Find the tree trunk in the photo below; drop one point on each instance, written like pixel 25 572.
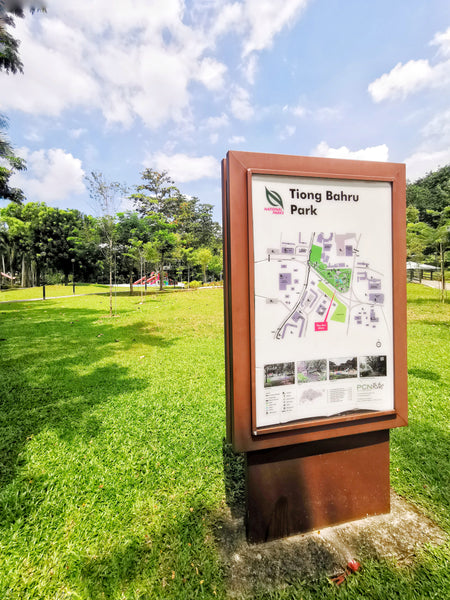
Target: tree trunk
pixel 161 276
pixel 443 294
pixel 33 273
pixel 131 284
pixel 110 292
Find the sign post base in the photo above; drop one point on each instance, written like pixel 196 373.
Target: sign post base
pixel 300 488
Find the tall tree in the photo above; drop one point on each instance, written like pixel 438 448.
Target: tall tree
pixel 11 63
pixel 160 249
pixel 428 214
pixel 106 197
pixel 203 257
pixel 156 195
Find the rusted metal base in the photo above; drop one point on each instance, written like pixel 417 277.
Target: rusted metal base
pixel 294 489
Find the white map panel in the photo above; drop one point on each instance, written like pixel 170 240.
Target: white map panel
pixel 323 297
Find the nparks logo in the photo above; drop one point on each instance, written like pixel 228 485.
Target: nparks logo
pixel 275 201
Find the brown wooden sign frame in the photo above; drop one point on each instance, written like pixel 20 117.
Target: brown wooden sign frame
pixel 237 171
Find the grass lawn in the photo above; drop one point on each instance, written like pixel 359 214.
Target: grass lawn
pixel 111 469
pixel 51 291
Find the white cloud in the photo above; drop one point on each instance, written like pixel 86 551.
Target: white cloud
pixel 240 104
pixel 237 139
pixel 434 151
pixel 266 18
pixel 442 41
pixel 377 153
pixel 250 67
pixel 229 18
pixel 211 73
pixel 182 167
pixel 415 75
pixel 137 60
pixel 402 80
pixel 52 175
pixel 127 62
pixel 422 162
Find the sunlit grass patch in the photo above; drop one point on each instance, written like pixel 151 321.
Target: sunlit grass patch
pixel 111 466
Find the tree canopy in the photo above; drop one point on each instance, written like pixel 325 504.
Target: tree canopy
pixel 38 240
pixel 11 63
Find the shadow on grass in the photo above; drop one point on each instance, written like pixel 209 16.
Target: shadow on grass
pixel 424 374
pixel 234 479
pixel 104 576
pixel 51 376
pixel 177 560
pixel 432 300
pixel 435 323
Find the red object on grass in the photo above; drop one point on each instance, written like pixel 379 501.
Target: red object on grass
pixel 353 565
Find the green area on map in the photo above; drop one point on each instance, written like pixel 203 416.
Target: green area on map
pixel 316 254
pixel 340 313
pixel 338 278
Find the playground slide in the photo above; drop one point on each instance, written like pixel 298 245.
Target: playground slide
pixel 141 280
pixel 153 280
pixel 7 276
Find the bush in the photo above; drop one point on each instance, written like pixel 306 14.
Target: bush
pixel 195 284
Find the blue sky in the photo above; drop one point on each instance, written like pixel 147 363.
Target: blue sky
pixel 170 84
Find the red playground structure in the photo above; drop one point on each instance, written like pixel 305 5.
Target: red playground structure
pixel 152 280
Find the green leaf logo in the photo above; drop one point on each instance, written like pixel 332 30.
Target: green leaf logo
pixel 273 198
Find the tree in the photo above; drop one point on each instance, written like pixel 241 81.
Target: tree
pixel 106 197
pixel 418 237
pixel 215 265
pixel 441 240
pixel 136 254
pixel 131 229
pixel 11 63
pixel 428 216
pixel 203 257
pixel 85 249
pixel 40 236
pixel 14 239
pixel 11 164
pixel 157 195
pixel 164 242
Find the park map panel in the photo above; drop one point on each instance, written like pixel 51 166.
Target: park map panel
pixel 322 252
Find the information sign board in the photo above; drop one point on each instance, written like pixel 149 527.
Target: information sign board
pixel 322 266
pixel 315 298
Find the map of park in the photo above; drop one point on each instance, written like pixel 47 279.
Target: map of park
pixel 323 284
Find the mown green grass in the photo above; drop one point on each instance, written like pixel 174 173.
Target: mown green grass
pixel 111 469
